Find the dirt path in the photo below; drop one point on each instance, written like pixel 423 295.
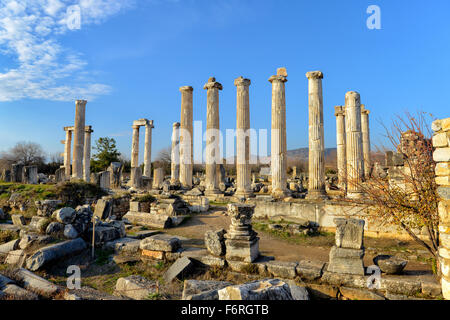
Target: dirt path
pixel 284 250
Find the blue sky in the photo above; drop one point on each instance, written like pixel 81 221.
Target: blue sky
pixel 130 57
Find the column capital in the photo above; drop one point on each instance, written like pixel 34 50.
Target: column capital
pixel 80 102
pixel 176 125
pixel 135 126
pixel 364 110
pixel 339 111
pixel 314 75
pixel 212 84
pixel 69 128
pixel 352 95
pixel 241 81
pixel 186 88
pixel 88 129
pixel 277 78
pixel 149 124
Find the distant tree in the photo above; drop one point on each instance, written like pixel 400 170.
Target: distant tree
pixel 26 153
pixel 163 160
pixel 106 153
pixel 55 162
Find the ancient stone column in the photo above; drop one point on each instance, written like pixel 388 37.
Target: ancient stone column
pixel 67 150
pixel 341 148
pixel 87 154
pixel 365 140
pixel 278 135
pixel 148 148
pixel 78 139
pixel 316 181
pixel 243 171
pixel 355 160
pixel 186 137
pixel 212 135
pixel 136 173
pixel 158 178
pixel 175 154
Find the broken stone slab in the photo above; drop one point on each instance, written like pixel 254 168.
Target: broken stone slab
pixel 4 281
pixel 126 245
pixel 322 291
pixel 269 289
pixel 18 220
pixel 282 269
pixel 9 246
pixel 16 258
pixel 432 289
pixel 400 285
pixel 161 242
pixel 152 254
pixel 103 208
pixel 180 269
pixel 103 234
pixel 203 289
pixel 175 221
pixel 126 258
pixel 348 261
pixel 17 293
pixel 309 270
pixel 215 242
pixel 29 239
pixel 298 292
pixel 347 280
pixel 45 208
pixel 160 221
pixel 194 253
pixel 359 294
pixel 35 283
pixel 39 224
pixel 142 234
pixel 212 261
pixel 55 252
pixel 65 215
pixel 390 264
pixel 349 233
pixel 70 232
pixel 86 293
pixel 9 227
pixel 135 287
pixel 54 227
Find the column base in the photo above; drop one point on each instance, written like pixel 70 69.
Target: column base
pixel 212 192
pixel 244 194
pixel 242 250
pixel 317 195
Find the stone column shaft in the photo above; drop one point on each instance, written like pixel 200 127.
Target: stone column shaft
pixel 355 161
pixel 175 154
pixel 341 146
pixel 135 147
pixel 186 137
pixel 212 136
pixel 278 153
pixel 148 149
pixel 243 171
pixel 87 154
pixel 366 140
pixel 78 139
pixel 67 152
pixel 316 182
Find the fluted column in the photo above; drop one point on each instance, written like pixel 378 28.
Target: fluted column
pixel 355 161
pixel 148 149
pixel 78 139
pixel 135 147
pixel 67 151
pixel 278 135
pixel 175 154
pixel 341 148
pixel 212 135
pixel 243 185
pixel 365 140
pixel 186 137
pixel 316 177
pixel 87 154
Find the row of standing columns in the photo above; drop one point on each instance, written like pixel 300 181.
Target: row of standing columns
pixel 86 155
pixel 136 173
pixel 353 142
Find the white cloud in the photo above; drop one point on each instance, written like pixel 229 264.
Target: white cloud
pixel 43 69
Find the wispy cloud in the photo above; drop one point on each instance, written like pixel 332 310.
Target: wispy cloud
pixel 43 69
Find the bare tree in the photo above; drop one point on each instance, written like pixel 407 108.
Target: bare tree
pixel 26 153
pixel 409 201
